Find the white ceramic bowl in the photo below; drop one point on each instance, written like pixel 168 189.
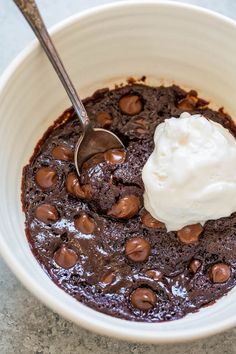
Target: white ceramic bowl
pixel 167 42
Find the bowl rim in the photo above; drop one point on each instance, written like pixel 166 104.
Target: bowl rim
pixel 119 330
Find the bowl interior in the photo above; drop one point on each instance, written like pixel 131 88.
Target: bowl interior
pixel 167 42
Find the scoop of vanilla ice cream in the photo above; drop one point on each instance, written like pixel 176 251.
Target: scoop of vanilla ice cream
pixel 191 175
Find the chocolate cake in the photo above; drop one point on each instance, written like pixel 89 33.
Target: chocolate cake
pixel 92 234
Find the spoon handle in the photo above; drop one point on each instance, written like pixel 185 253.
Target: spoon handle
pixel 31 13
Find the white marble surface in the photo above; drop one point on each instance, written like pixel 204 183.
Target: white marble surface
pixel 26 326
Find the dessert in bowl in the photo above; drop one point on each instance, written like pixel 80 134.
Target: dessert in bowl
pixel 181 64
pixel 93 233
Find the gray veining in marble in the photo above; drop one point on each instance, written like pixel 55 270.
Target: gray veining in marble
pixel 27 326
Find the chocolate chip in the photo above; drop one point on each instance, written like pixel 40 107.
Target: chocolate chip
pixel 219 273
pixel 115 156
pixel 188 103
pixel 46 177
pixel 137 249
pixel 190 234
pixel 73 187
pixel 62 152
pixel 195 265
pixel 125 208
pixel 93 161
pixel 154 274
pixel 143 298
pixel 46 213
pixel 149 221
pixel 191 102
pixel 85 224
pixel 131 104
pixel 192 93
pixel 65 257
pixel 108 279
pixel 104 119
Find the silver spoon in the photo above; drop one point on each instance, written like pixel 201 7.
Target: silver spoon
pixel 92 140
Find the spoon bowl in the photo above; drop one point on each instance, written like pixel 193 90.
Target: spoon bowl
pixel 93 141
